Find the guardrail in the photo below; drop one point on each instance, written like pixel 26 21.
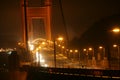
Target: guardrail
pixel 114 74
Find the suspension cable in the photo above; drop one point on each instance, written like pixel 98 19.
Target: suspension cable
pixel 64 22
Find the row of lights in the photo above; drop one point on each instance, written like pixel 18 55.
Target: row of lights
pixel 115 30
pixel 7 49
pixel 90 48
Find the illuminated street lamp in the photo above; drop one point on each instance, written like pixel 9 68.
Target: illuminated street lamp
pixel 102 48
pixel 63 47
pixel 76 52
pixel 19 43
pixel 116 46
pixel 31 47
pixel 84 49
pixel 71 53
pixel 118 52
pixel 91 49
pixel 43 43
pixel 116 30
pixel 59 45
pixel 86 54
pixel 93 62
pixel 59 39
pixel 67 53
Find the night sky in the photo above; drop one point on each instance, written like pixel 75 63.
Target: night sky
pixel 79 16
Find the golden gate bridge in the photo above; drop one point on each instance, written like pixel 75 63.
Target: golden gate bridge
pixel 52 58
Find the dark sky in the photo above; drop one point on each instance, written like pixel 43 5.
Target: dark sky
pixel 79 16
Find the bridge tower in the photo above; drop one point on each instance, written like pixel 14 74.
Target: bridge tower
pixel 38 19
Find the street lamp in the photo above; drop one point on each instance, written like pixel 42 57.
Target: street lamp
pixel 118 52
pixel 93 57
pixel 84 49
pixel 59 44
pixel 86 55
pixel 59 39
pixel 63 52
pixel 63 47
pixel 67 53
pixel 90 59
pixel 91 49
pixel 102 48
pixel 78 56
pixel 116 30
pixel 76 52
pixel 71 51
pixel 116 46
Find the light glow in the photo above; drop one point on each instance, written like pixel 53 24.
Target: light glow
pixel 76 50
pixel 71 50
pixel 116 30
pixel 114 45
pixel 63 47
pixel 31 47
pixel 100 47
pixel 60 39
pixel 84 49
pixel 43 43
pixel 90 49
pixel 45 65
pixel 9 52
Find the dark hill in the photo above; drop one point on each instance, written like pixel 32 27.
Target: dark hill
pixel 100 33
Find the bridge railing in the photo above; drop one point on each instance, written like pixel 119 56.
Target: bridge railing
pixel 78 72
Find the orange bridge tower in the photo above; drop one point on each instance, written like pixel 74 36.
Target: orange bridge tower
pixel 38 19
